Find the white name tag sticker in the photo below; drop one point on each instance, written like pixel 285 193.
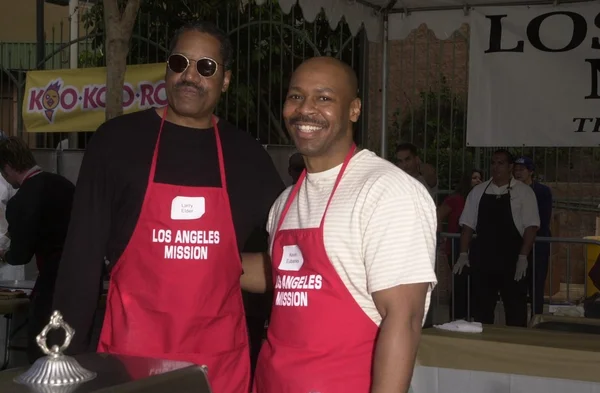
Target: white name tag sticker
pixel 187 208
pixel 292 259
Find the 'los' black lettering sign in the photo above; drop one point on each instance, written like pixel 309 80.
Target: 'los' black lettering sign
pixel 578 33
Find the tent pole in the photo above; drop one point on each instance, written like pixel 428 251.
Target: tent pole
pixel 475 4
pixel 384 78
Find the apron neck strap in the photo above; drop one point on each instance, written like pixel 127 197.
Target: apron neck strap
pixel 301 181
pixel 338 180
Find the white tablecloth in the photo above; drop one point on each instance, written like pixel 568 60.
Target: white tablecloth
pixel 444 380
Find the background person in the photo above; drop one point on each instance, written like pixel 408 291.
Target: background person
pixel 7 272
pixel 170 196
pixel 407 159
pixel 358 235
pixel 524 170
pixel 38 218
pixel 503 212
pixel 450 210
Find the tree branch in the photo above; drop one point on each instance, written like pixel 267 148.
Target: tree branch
pixel 111 8
pixel 130 14
pixel 118 28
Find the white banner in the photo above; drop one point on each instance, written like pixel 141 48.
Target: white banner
pixel 534 76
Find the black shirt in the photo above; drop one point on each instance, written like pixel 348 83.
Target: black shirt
pixel 38 217
pixel 113 179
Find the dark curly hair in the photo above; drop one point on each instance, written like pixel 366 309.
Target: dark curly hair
pixel 210 29
pixel 464 186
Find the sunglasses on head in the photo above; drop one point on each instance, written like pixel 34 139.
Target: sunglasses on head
pixel 205 66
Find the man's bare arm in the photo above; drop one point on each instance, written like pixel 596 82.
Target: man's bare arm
pixel 402 310
pixel 257 272
pixel 528 240
pixel 466 234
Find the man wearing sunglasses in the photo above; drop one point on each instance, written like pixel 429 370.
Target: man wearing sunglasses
pixel 168 196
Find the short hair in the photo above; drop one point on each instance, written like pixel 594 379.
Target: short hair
pixel 407 146
pixel 210 29
pixel 507 154
pixel 464 186
pixel 15 153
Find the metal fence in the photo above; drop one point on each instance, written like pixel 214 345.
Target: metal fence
pixel 268 45
pixel 427 101
pixel 427 90
pixel 427 105
pixel 566 283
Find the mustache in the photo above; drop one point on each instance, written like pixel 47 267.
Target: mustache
pixel 182 84
pixel 307 120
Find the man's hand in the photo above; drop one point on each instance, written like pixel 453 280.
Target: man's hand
pixel 521 270
pixel 256 277
pixel 463 260
pixel 402 310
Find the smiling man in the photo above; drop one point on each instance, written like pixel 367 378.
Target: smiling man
pixel 352 247
pixel 170 196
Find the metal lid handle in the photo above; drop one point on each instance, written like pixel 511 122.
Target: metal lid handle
pixel 56 322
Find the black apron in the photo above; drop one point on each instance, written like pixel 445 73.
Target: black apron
pixel 493 258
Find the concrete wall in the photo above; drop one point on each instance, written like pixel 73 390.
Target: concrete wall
pixel 18 21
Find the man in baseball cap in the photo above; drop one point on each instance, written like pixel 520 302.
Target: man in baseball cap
pixel 524 169
pixel 526 162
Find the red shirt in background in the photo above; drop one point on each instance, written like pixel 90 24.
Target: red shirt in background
pixel 456 202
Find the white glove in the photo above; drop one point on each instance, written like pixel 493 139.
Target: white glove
pixel 463 260
pixel 522 264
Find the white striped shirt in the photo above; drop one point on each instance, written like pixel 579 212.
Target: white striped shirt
pixel 380 229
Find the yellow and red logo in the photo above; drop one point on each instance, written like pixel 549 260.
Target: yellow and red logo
pixel 51 99
pixel 57 96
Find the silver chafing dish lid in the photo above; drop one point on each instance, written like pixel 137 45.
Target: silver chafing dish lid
pixel 56 369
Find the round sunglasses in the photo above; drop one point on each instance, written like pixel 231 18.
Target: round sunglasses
pixel 205 66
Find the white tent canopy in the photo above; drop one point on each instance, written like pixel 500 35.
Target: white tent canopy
pixel 443 16
pixel 385 20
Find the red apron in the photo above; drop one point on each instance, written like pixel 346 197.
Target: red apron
pixel 175 292
pixel 319 340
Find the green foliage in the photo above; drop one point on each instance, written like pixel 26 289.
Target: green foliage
pixel 436 125
pixel 90 58
pixel 268 45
